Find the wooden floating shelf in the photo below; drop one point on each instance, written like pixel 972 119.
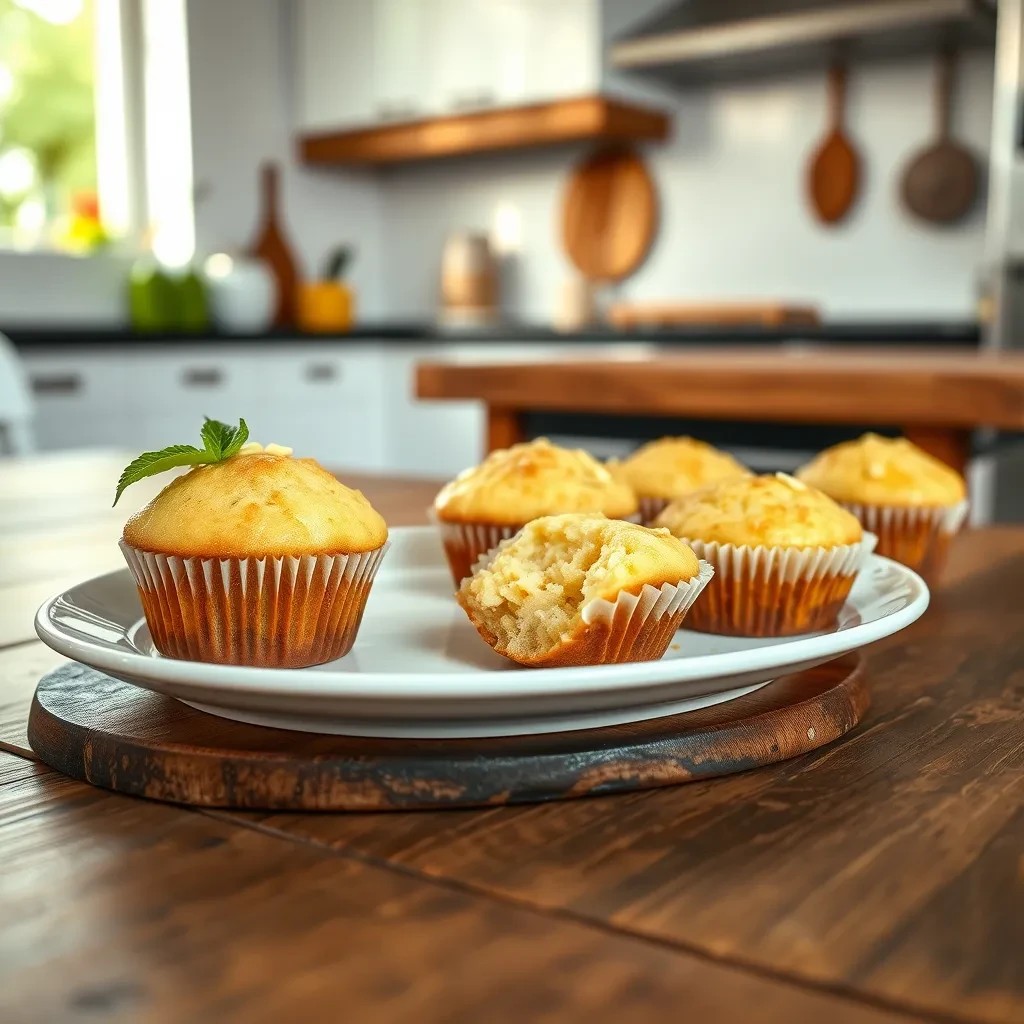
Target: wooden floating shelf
pixel 583 119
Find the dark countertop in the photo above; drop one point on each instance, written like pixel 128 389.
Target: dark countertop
pixel 897 332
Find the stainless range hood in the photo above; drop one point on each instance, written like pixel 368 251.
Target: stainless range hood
pixel 697 40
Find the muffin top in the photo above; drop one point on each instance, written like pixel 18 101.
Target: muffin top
pixel 877 470
pixel 773 510
pixel 255 504
pixel 514 485
pixel 675 465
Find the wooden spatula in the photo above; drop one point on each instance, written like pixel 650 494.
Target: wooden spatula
pixel 834 177
pixel 941 182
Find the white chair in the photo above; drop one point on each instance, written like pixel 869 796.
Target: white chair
pixel 16 410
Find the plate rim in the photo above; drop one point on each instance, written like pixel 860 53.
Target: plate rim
pixel 501 685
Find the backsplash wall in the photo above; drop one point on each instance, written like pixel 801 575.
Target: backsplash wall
pixel 735 223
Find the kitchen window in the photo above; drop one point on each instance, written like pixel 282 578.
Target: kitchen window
pixel 95 136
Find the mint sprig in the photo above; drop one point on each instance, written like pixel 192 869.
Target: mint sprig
pixel 220 442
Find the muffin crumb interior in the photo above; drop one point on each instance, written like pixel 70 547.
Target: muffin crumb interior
pixel 532 596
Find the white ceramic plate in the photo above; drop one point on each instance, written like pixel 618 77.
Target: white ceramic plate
pixel 419 669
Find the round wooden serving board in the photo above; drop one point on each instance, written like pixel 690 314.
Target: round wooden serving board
pixel 120 737
pixel 609 214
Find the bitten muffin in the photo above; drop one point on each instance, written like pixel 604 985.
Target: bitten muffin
pixel 490 502
pixel 261 559
pixel 662 470
pixel 785 555
pixel 913 502
pixel 583 590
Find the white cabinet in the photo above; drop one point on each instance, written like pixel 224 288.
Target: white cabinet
pixel 362 62
pixel 334 63
pixel 426 438
pixel 324 403
pixel 78 400
pixel 562 49
pixel 402 55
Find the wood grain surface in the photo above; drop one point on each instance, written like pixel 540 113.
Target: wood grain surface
pixel 125 911
pixel 888 864
pixel 609 214
pixel 112 734
pixel 937 397
pixel 813 385
pixel 580 119
pixel 879 877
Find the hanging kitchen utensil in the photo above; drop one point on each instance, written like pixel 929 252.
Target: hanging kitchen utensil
pixel 834 173
pixel 609 215
pixel 940 183
pixel 272 247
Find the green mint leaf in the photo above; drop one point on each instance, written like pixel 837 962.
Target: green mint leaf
pixel 240 436
pixel 220 442
pixel 151 463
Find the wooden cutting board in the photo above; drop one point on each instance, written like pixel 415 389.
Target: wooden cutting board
pixel 112 734
pixel 727 314
pixel 609 214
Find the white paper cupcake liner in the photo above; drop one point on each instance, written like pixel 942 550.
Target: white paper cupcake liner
pixel 775 591
pixel 641 626
pixel 918 537
pixel 633 627
pixel 282 612
pixel 651 508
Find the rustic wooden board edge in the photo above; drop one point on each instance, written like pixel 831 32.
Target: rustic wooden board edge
pixel 93 728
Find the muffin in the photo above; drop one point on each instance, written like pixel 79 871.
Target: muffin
pixel 493 501
pixel 260 559
pixel 785 555
pixel 913 502
pixel 662 470
pixel 583 590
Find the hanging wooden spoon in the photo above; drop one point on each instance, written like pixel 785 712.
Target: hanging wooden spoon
pixel 940 183
pixel 834 176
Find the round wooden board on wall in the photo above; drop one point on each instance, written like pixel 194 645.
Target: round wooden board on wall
pixel 609 214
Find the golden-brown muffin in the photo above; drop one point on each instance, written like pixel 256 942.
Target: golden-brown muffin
pixel 910 500
pixel 583 590
pixel 774 510
pixel 672 466
pixel 785 555
pixel 259 559
pixel 254 505
pixel 490 502
pixel 517 484
pixel 876 470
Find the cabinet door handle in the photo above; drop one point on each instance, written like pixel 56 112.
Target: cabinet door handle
pixel 57 384
pixel 202 377
pixel 318 373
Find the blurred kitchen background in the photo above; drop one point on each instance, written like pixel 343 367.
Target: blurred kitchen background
pixel 277 208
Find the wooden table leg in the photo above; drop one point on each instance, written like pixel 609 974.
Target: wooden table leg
pixel 504 427
pixel 950 445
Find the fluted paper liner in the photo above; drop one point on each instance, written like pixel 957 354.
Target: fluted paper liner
pixel 651 508
pixel 775 591
pixel 633 627
pixel 918 537
pixel 465 543
pixel 274 612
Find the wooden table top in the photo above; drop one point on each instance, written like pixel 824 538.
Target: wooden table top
pixel 879 879
pixel 792 383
